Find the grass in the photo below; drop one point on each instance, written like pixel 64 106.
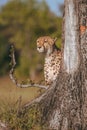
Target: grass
pixel 10 93
pixel 10 104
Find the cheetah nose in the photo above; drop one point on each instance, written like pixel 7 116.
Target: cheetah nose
pixel 39 47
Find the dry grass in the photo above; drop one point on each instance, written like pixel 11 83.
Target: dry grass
pixel 10 105
pixel 10 93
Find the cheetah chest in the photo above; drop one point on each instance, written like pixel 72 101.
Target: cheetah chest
pixel 51 67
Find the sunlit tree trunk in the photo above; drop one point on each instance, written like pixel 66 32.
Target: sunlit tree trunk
pixel 64 106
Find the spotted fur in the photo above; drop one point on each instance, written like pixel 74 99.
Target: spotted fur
pixel 47 45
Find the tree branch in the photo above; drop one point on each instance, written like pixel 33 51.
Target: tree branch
pixel 3 125
pixel 40 98
pixel 14 79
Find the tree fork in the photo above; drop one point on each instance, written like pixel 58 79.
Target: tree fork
pixel 65 107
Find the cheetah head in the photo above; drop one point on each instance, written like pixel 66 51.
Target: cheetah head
pixel 45 44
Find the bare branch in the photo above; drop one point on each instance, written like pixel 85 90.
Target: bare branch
pixel 13 78
pixel 38 99
pixel 3 126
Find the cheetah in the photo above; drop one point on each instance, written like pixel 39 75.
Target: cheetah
pixel 47 45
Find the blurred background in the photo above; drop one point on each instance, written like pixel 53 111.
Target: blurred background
pixel 21 23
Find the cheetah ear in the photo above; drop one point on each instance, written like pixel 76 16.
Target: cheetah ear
pixel 55 39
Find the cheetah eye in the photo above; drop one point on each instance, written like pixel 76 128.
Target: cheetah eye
pixel 38 41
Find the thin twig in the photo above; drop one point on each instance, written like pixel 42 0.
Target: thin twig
pixel 13 78
pixel 3 125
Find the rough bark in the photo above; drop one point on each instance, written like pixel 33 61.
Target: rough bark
pixel 64 107
pixel 64 104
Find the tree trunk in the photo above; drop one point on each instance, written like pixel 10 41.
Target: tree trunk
pixel 64 106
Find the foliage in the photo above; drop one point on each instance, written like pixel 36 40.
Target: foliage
pixel 21 23
pixel 4 61
pixel 18 118
pixel 12 99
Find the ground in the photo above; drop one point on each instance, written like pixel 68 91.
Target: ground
pixel 10 93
